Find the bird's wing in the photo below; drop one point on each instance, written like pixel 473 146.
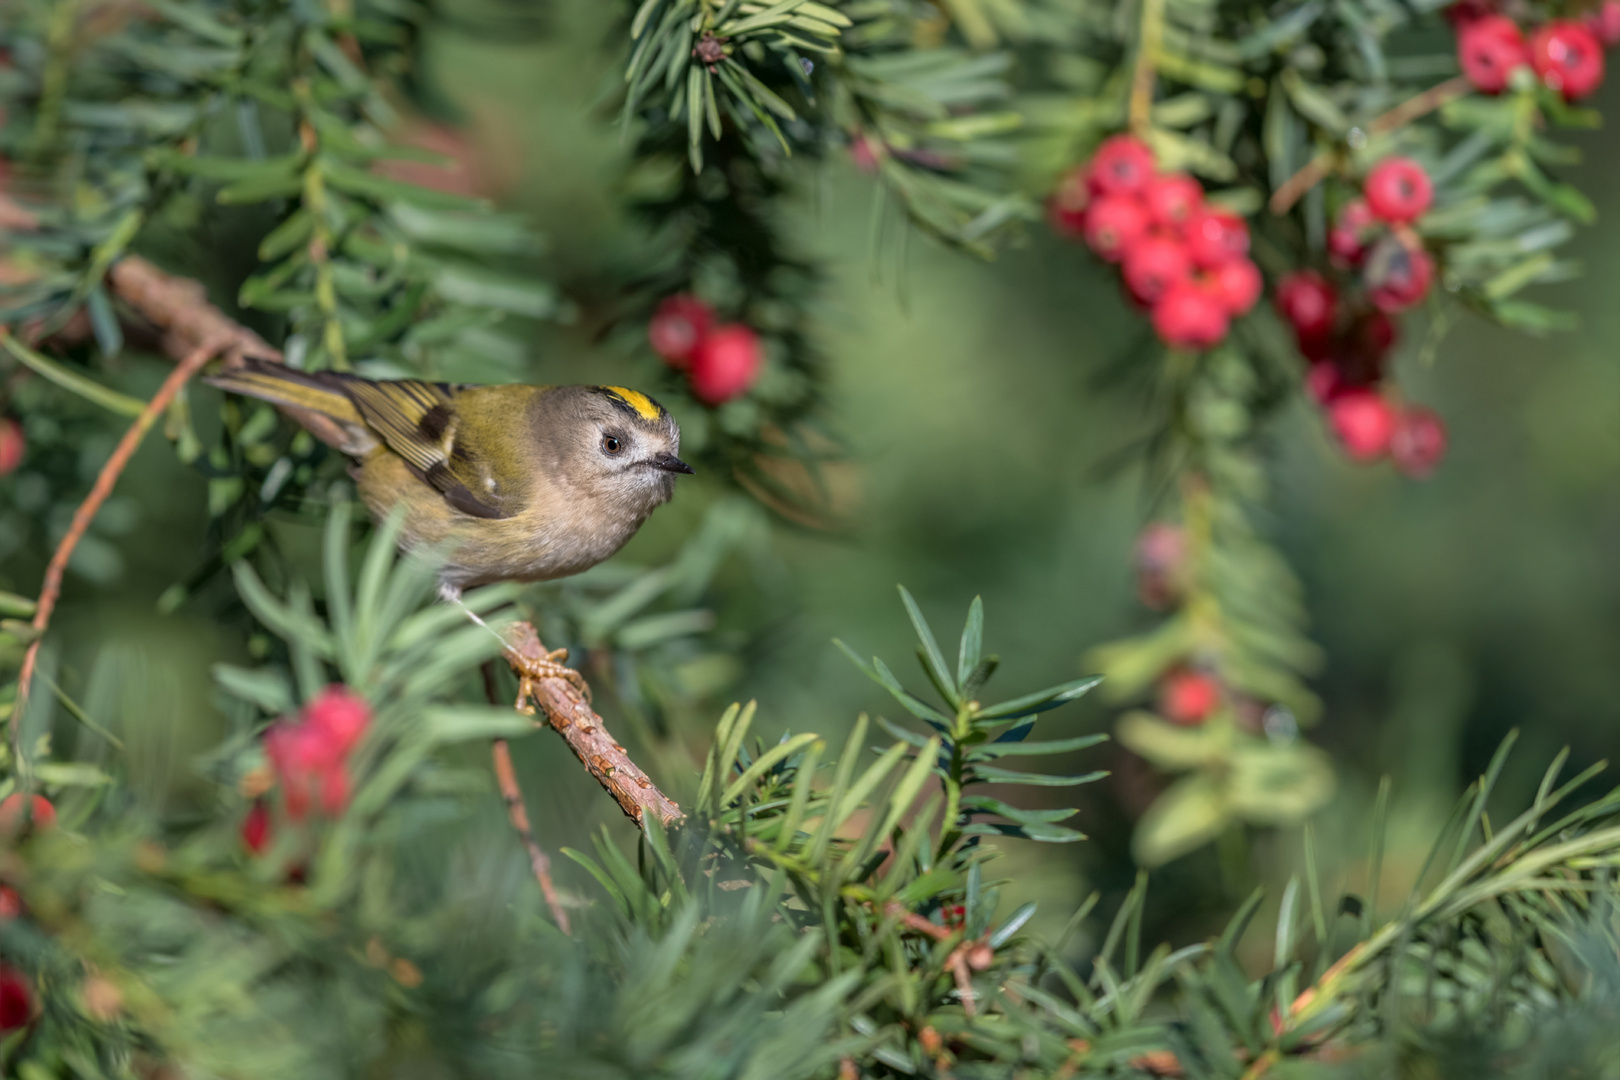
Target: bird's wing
pixel 417 420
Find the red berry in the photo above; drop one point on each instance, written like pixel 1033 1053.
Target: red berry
pixel 1323 382
pixel 1490 49
pixel 1465 13
pixel 14 806
pixel 726 364
pixel 1215 236
pixel 16 999
pixel 1568 57
pixel 1397 274
pixel 1605 22
pixel 1237 286
pixel 1364 423
pixel 1115 223
pixel 1398 190
pixel 1347 240
pixel 1308 302
pixel 256 828
pixel 341 715
pixel 1189 316
pixel 1122 165
pixel 11 905
pixel 13 446
pixel 1418 442
pixel 1154 264
pixel 677 327
pixel 1188 697
pixel 301 755
pixel 1172 199
pixel 1066 209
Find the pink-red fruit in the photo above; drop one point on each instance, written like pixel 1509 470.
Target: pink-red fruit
pixel 1363 422
pixel 16 999
pixel 256 829
pixel 1153 265
pixel 1122 165
pixel 1308 302
pixel 14 808
pixel 1188 697
pixel 1605 23
pixel 1215 237
pixel 1237 285
pixel 13 446
pixel 1489 50
pixel 1398 274
pixel 1398 191
pixel 1568 57
pixel 1418 442
pixel 1172 199
pixel 1114 224
pixel 1347 240
pixel 679 324
pixel 1189 316
pixel 726 364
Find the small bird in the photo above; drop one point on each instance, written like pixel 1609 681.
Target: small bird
pixel 514 483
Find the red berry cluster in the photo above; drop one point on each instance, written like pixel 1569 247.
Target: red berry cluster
pixel 1567 56
pixel 1183 260
pixel 1348 352
pixel 310 755
pixel 721 362
pixel 13 447
pixel 19 812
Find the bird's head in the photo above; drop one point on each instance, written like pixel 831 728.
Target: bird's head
pixel 614 443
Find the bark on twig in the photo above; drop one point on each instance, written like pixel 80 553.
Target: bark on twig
pixel 512 795
pixel 566 710
pixel 51 589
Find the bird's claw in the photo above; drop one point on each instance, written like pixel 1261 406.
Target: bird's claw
pixel 532 669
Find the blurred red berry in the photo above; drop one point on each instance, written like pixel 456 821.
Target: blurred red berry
pixel 301 755
pixel 341 715
pixel 1398 274
pixel 1347 240
pixel 1605 23
pixel 1363 422
pixel 1066 209
pixel 1160 552
pixel 1398 190
pixel 1115 223
pixel 13 446
pixel 1490 49
pixel 1568 57
pixel 256 828
pixel 1465 13
pixel 1172 199
pixel 19 811
pixel 16 999
pixel 11 905
pixel 1153 264
pixel 1237 286
pixel 335 790
pixel 1122 165
pixel 864 154
pixel 1418 441
pixel 677 327
pixel 1323 382
pixel 1216 236
pixel 726 364
pixel 1309 303
pixel 1189 316
pixel 1188 697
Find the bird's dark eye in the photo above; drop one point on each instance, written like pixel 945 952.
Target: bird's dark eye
pixel 611 444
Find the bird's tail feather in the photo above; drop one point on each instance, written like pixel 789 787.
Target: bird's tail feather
pixel 299 392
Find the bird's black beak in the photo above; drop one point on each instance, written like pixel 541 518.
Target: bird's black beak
pixel 671 463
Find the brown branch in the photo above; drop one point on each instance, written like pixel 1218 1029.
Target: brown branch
pixel 562 700
pixel 512 795
pixel 1316 170
pixel 51 589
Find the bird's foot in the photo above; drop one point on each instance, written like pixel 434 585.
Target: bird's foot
pixel 532 669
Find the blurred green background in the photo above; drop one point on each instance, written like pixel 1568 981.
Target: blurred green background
pixel 1451 610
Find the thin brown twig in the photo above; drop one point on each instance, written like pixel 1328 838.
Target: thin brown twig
pixel 51 588
pixel 562 699
pixel 506 779
pixel 1143 76
pixel 1317 169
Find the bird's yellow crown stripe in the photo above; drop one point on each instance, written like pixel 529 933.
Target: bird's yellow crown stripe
pixel 645 407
